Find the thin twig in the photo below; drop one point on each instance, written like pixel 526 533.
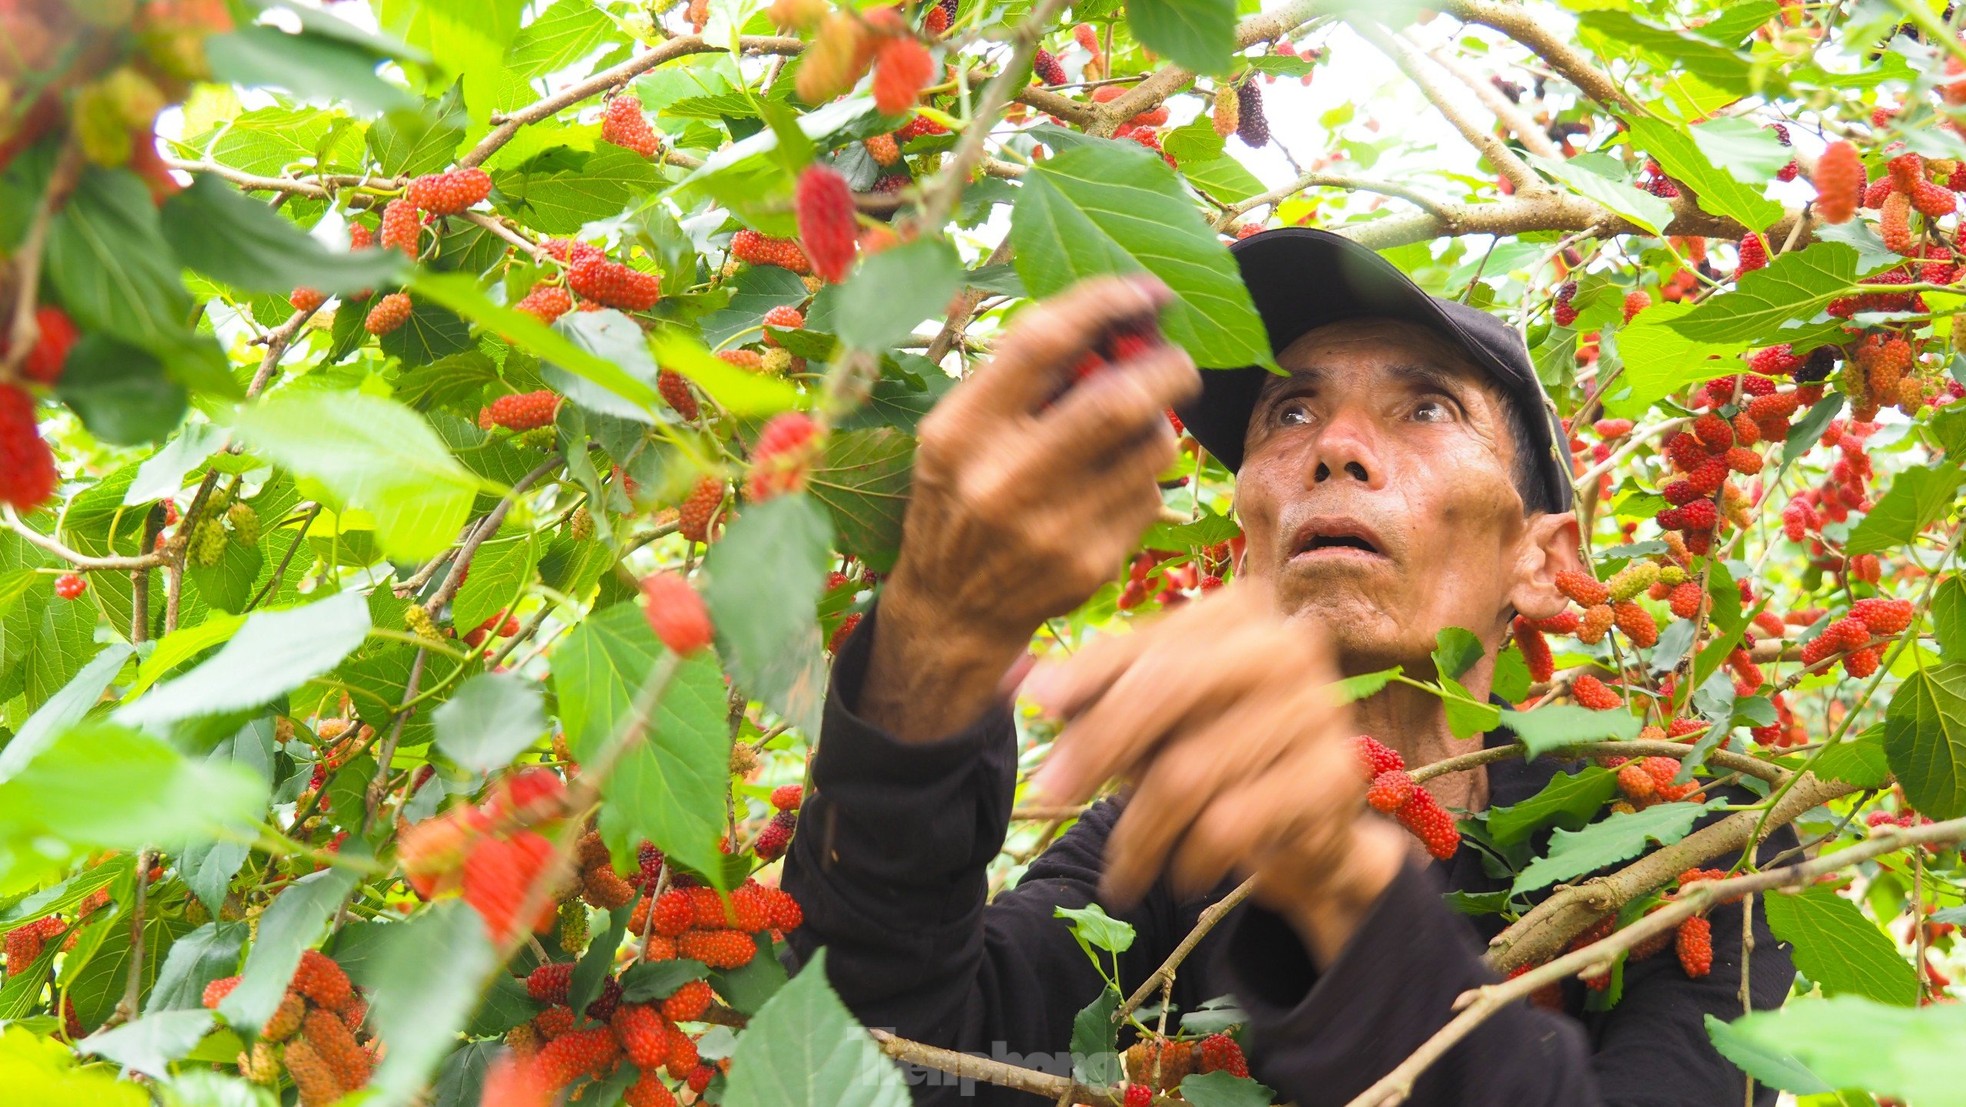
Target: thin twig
pixel 1164 975
pixel 24 332
pixel 54 546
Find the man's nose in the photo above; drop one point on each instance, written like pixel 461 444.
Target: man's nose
pixel 1348 448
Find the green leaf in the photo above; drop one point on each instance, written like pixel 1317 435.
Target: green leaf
pixel 565 189
pixel 122 392
pixel 61 897
pixel 274 652
pixel 895 290
pixel 423 985
pixel 63 709
pixel 1620 836
pixel 734 390
pixel 311 66
pixel 1456 651
pixel 1837 948
pixel 751 985
pixel 44 1072
pixel 1466 715
pixel 585 985
pixel 1549 728
pixel 1569 800
pixel 753 292
pixel 1808 430
pixel 1641 208
pixel 1919 496
pixel 658 980
pixel 610 337
pixel 500 570
pixel 863 480
pixel 1949 617
pixel 1197 34
pixel 1095 1060
pixel 1224 1089
pixel 1747 150
pixel 489 720
pixel 414 141
pixel 1925 739
pixel 1093 927
pixel 1771 1065
pixel 195 960
pixel 108 259
pixel 804 1049
pixel 296 919
pixel 461 1081
pixel 179 646
pixel 1910 1053
pixel 669 788
pixel 57 798
pixel 241 242
pixel 1718 192
pixel 1363 686
pixel 150 1043
pixel 765 577
pixel 373 454
pixel 1660 361
pixel 1860 761
pixel 1103 209
pixel 1671 51
pixel 1793 286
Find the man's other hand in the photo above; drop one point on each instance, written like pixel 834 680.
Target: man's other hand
pixel 1029 491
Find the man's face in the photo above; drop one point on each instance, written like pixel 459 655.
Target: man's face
pixel 1375 491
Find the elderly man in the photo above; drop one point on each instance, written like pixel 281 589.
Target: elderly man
pixel 1402 477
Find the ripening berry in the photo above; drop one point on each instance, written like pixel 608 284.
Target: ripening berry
pixel 1049 70
pixel 1429 821
pixel 779 460
pixel 643 1035
pixel 1635 783
pixel 843 632
pixel 782 912
pixel 70 586
pixel 1220 1053
pixel 1588 691
pixel 676 612
pixel 1695 946
pixel 1636 623
pixel 55 335
pixel 784 317
pixel 545 302
pixel 1087 37
pixel 775 837
pixel 1226 115
pixel 1137 1095
pixel 1390 790
pixel 695 516
pixel 498 877
pixel 1535 649
pixel 883 149
pixel 825 211
pixel 839 54
pixel 1685 600
pixel 683 1055
pixel 613 284
pixel 719 949
pixel 687 1003
pixel 1933 201
pixel 1861 663
pixel 548 983
pixel 336 1046
pixel 449 193
pixel 751 361
pixel 1894 224
pixel 389 313
pixel 522 412
pixel 306 299
pixel 1376 757
pixel 1251 124
pixel 624 125
pixel 577 1053
pixel 1883 616
pixel 1564 313
pixel 1631 580
pixel 902 68
pixel 1754 254
pixel 605 889
pixel 1581 587
pixel 649 1090
pixel 401 226
pixel 214 994
pixel 314 1080
pixel 321 979
pixel 1636 300
pixel 1839 178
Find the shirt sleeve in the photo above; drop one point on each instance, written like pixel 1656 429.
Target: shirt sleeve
pixel 890 866
pixel 1325 1036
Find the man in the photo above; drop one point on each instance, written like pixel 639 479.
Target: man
pixel 1403 477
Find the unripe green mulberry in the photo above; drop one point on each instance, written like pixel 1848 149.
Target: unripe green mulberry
pixel 207 541
pixel 580 524
pixel 419 623
pixel 1631 580
pixel 1672 574
pixel 245 524
pixel 573 925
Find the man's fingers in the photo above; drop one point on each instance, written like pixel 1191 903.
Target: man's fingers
pixel 1035 358
pixel 1301 804
pixel 1112 409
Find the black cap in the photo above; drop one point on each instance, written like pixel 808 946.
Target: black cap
pixel 1302 278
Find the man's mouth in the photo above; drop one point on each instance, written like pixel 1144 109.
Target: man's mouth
pixel 1335 537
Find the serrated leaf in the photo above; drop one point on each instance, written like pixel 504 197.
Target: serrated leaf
pixel 1910 1053
pixel 895 290
pixel 1718 192
pixel 863 480
pixel 1860 761
pixel 107 257
pixel 1549 728
pixel 1837 948
pixel 1641 208
pixel 63 709
pixel 1095 1061
pixel 1792 287
pixel 1095 929
pixel 752 984
pixel 500 572
pixel 1225 1089
pixel 1616 838
pixel 765 577
pixel 1949 617
pixel 122 392
pixel 150 1043
pixel 560 193
pixel 1568 801
pixel 273 653
pixel 195 960
pixel 1456 650
pixel 804 1049
pixel 1102 209
pixel 1197 34
pixel 1364 685
pixel 373 454
pixel 296 919
pixel 657 980
pixel 1771 1065
pixel 309 65
pixel 1925 739
pixel 1918 497
pixel 229 238
pixel 489 720
pixel 669 788
pixel 423 985
pixel 1660 361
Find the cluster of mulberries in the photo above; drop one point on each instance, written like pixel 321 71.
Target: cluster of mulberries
pixel 785 450
pixel 1160 1064
pixel 1391 791
pixel 492 854
pixel 316 1033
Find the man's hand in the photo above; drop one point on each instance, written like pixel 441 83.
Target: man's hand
pixel 1223 719
pixel 1024 502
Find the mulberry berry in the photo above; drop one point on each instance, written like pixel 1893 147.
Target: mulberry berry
pixel 676 391
pixel 337 1048
pixel 1685 600
pixel 649 1091
pixel 782 912
pixel 613 284
pixel 401 226
pixel 719 949
pixel 1861 663
pixel 1429 821
pixel 843 632
pixel 1582 587
pixel 784 317
pixel 1636 623
pixel 1251 124
pixel 697 512
pixel 522 412
pixel 1591 692
pixel 55 335
pixel 1894 224
pixel 321 979
pixel 687 1003
pixel 1636 301
pixel 624 125
pixel 643 1034
pixel 883 149
pixel 775 837
pixel 676 612
pixel 1535 649
pixel 825 211
pixel 1839 178
pixel 1220 1053
pixel 1046 65
pixel 545 302
pixel 1695 944
pixel 498 878
pixel 388 314
pixel 449 193
pixel 787 797
pixel 1390 790
pixel 70 586
pixel 312 1077
pixel 778 461
pixel 839 54
pixel 1226 117
pixel 1376 756
pixel 902 68
pixel 1883 616
pixel 1753 253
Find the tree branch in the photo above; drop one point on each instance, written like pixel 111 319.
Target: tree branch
pixel 1164 975
pixel 54 546
pixel 23 333
pixel 1482 139
pixel 1520 24
pixel 1533 138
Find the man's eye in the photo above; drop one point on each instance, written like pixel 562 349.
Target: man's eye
pixel 1432 411
pixel 1293 413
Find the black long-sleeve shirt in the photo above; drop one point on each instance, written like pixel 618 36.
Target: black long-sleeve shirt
pixel 890 862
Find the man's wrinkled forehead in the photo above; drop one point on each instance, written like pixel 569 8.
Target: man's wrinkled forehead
pixel 1405 350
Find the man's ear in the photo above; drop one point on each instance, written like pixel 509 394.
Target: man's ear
pixel 1550 545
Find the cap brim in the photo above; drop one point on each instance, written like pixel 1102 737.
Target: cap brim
pixel 1302 278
